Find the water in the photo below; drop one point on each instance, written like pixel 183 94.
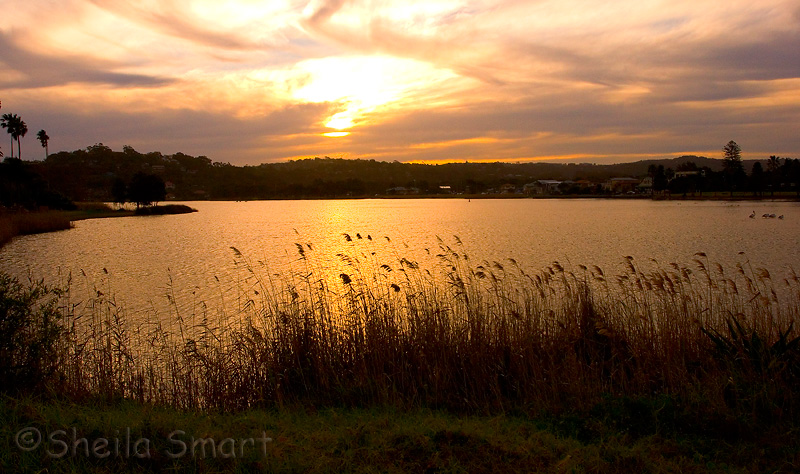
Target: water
pixel 141 260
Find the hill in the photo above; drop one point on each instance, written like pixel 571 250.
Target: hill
pixel 90 174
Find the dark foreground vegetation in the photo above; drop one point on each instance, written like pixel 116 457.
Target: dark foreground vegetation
pixel 460 366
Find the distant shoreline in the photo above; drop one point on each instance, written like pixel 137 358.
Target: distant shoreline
pixel 782 198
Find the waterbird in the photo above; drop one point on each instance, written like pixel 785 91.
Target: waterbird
pixel 772 216
pixel 780 216
pixel 753 215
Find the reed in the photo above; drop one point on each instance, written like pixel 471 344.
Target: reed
pixel 24 223
pixel 360 330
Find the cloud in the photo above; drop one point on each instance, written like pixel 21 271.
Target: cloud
pixel 411 80
pixel 38 70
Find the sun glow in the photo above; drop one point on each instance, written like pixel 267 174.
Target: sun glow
pixel 336 134
pixel 362 85
pixel 340 121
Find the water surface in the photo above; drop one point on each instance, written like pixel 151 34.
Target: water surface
pixel 143 259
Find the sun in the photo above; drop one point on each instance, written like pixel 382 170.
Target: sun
pixel 362 86
pixel 340 121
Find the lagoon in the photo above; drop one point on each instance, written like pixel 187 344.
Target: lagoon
pixel 174 264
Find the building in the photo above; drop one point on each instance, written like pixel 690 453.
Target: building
pixel 508 188
pixel 621 185
pixel 542 186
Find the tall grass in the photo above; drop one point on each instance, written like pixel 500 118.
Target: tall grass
pixel 24 223
pixel 359 330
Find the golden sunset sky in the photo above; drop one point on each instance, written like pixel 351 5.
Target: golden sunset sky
pixel 248 82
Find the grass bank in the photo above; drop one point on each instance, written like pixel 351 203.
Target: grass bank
pixel 377 439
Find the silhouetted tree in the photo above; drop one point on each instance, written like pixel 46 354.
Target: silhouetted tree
pixel 659 177
pixel 7 122
pixel 119 191
pixel 732 164
pixel 757 179
pixel 145 189
pixel 773 169
pixel 43 139
pixel 18 129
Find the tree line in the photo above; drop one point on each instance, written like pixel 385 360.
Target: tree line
pixel 780 175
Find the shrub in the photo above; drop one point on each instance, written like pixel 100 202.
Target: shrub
pixel 30 332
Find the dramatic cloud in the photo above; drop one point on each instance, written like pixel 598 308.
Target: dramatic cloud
pixel 249 81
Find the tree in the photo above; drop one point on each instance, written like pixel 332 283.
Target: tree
pixel 17 128
pixel 732 164
pixel 757 179
pixel 7 122
pixel 43 139
pixel 119 191
pixel 145 189
pixel 773 168
pixel 659 177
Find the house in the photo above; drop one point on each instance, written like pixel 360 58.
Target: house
pixel 402 191
pixel 621 185
pixel 686 174
pixel 542 186
pixel 646 185
pixel 508 188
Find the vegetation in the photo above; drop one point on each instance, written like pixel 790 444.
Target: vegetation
pixel 146 189
pixel 44 139
pixel 99 173
pixel 488 338
pixel 165 209
pixel 398 441
pixel 683 367
pixel 25 223
pixel 22 188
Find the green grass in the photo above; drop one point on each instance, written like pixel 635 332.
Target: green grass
pixel 379 440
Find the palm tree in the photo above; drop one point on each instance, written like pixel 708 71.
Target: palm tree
pixel 43 138
pixel 7 122
pixel 20 130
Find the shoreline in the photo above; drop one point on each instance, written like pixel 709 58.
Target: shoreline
pixel 518 196
pixel 39 222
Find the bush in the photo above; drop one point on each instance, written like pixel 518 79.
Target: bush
pixel 29 335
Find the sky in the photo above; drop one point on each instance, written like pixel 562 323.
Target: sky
pixel 249 82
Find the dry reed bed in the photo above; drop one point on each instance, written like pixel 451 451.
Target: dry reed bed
pixel 24 223
pixel 358 331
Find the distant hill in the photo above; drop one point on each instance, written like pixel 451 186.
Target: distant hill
pixel 90 174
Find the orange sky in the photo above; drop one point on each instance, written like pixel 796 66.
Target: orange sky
pixel 437 80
